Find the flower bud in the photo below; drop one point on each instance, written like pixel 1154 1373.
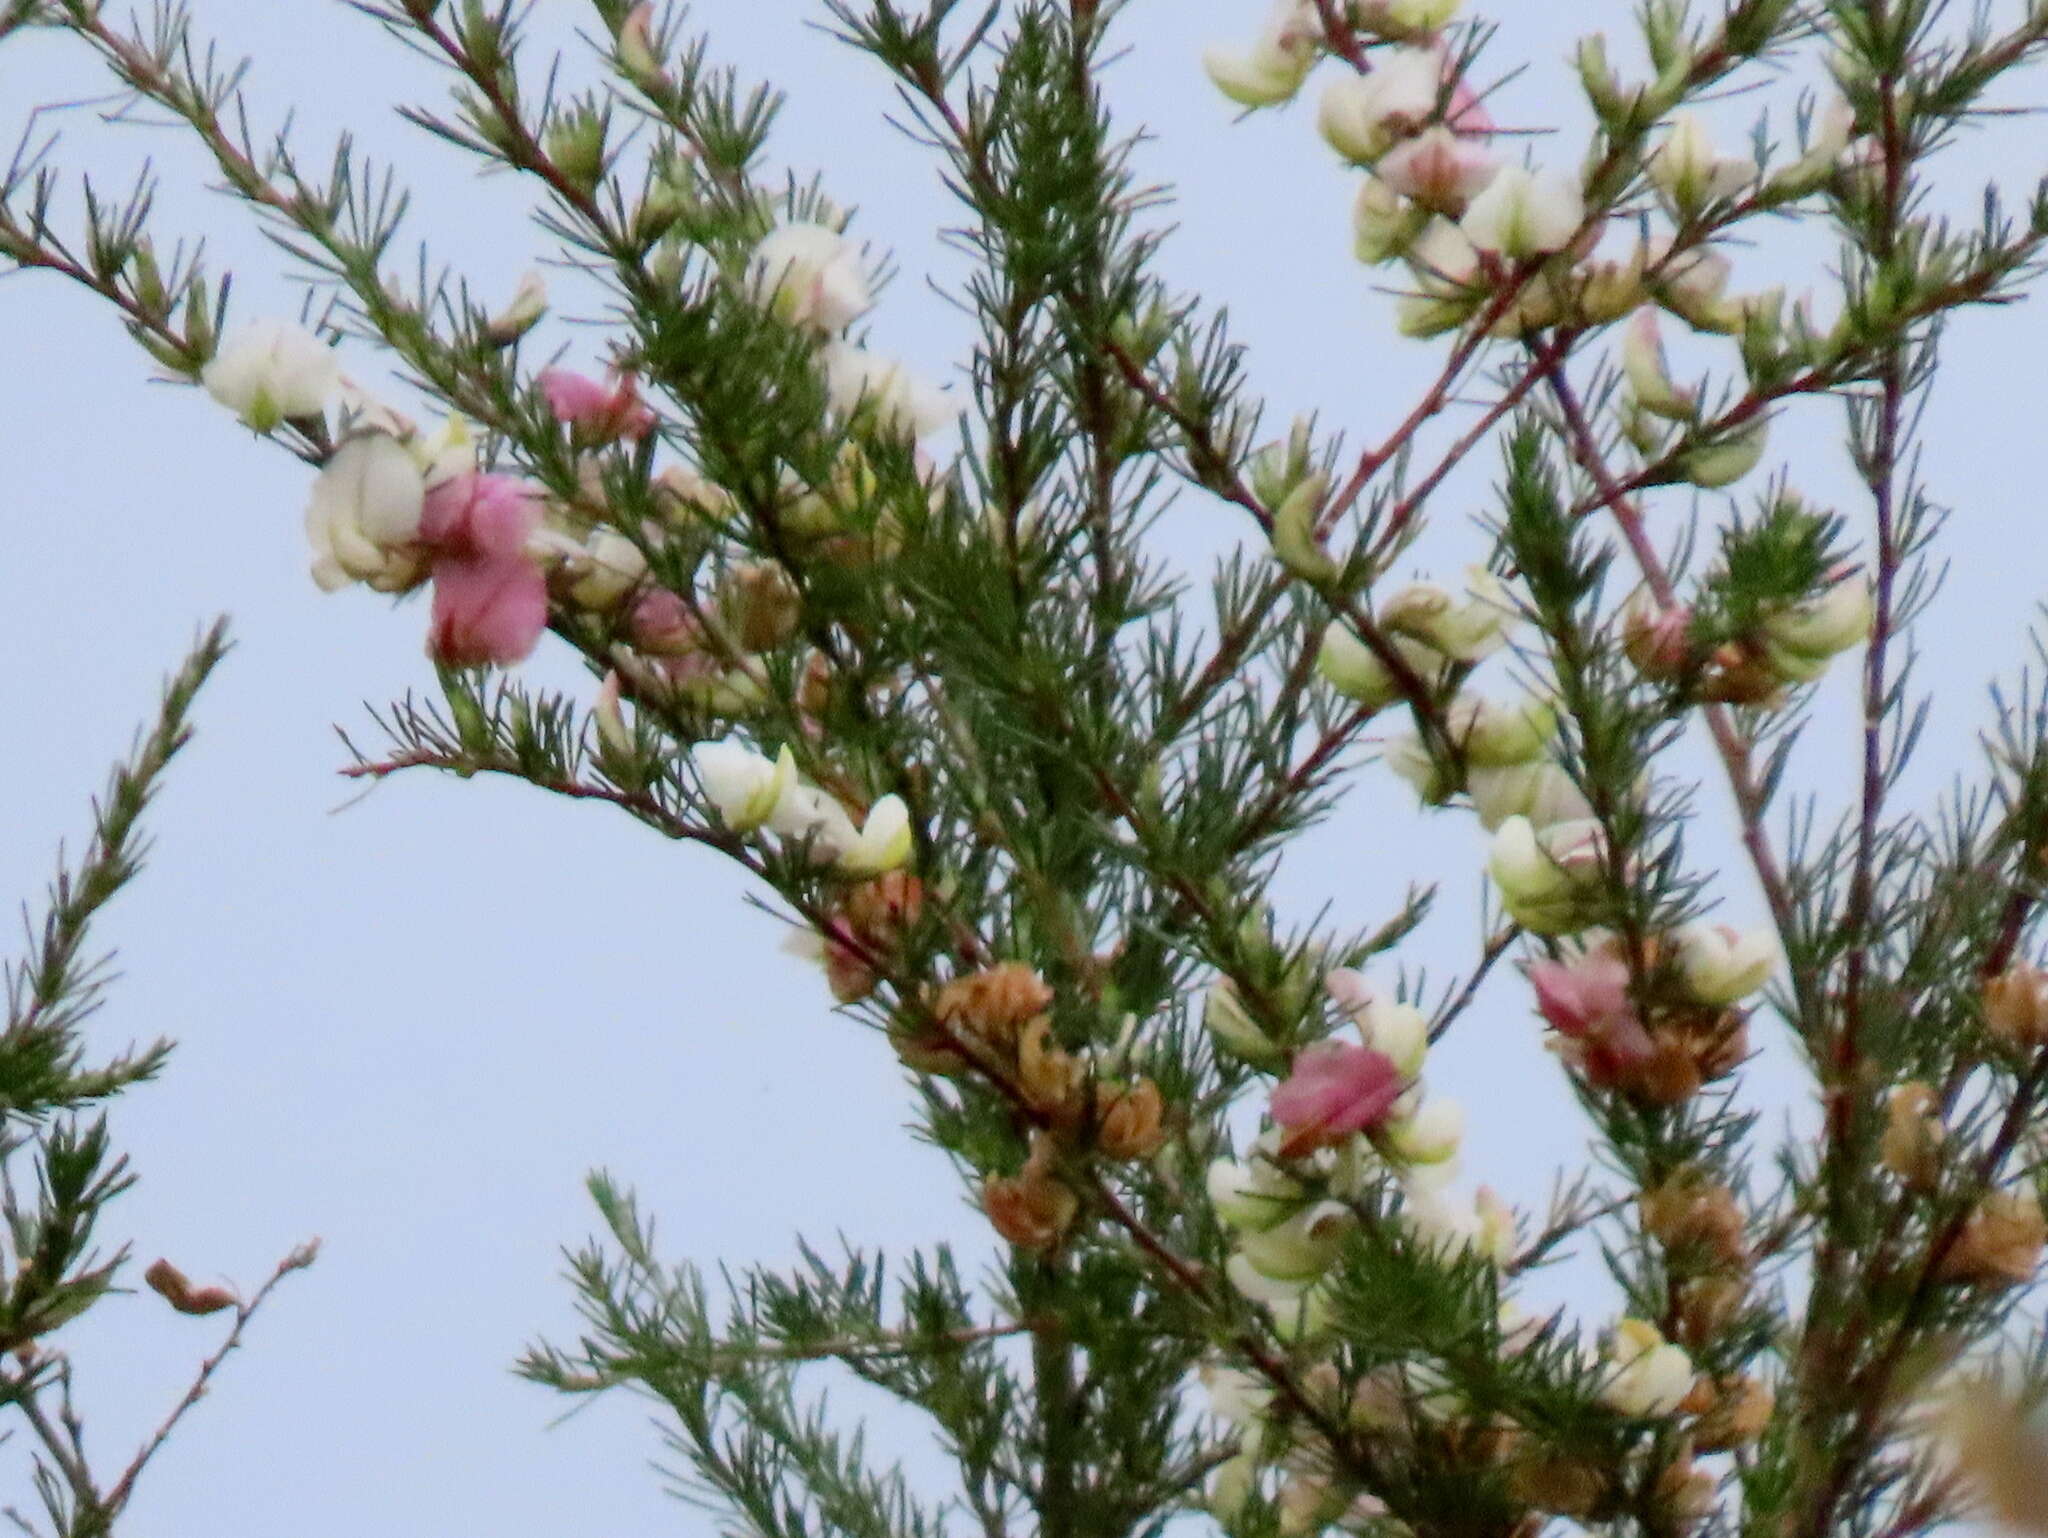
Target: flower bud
pixel 1811 171
pixel 1293 534
pixel 1465 632
pixel 1723 463
pixel 1721 965
pixel 529 303
pixel 638 58
pixel 1648 375
pixel 1355 671
pixel 575 144
pixel 1276 64
pixel 1231 1025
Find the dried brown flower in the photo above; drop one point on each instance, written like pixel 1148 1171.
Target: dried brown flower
pixel 2000 1245
pixel 1131 1123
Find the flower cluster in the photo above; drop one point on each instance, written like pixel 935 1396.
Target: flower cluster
pixel 1347 1117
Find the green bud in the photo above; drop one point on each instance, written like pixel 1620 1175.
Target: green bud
pixel 1294 532
pixel 575 143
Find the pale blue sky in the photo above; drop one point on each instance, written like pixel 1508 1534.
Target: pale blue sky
pixel 409 1026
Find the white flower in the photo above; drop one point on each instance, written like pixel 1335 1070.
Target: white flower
pixel 1303 1247
pixel 804 812
pixel 884 843
pixel 1802 638
pixel 446 453
pixel 1722 965
pixel 1545 878
pixel 860 383
pixel 1252 1194
pixel 1235 1395
pixel 1495 736
pixel 1824 151
pixel 268 370
pixel 1687 171
pixel 1383 223
pixel 1397 1031
pixel 363 517
pixel 1523 213
pixel 604 570
pixel 809 275
pixel 1430 1135
pixel 1541 792
pixel 1454 1226
pixel 1465 632
pixel 1273 68
pixel 1299 1308
pixel 746 788
pixel 1361 117
pixel 1354 671
pixel 1651 1376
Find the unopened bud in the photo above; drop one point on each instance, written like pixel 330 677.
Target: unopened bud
pixel 639 60
pixel 529 304
pixel 576 146
pixel 1294 532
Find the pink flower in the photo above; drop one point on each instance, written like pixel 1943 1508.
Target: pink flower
pixel 490 598
pixel 1440 169
pixel 489 610
pixel 1587 1001
pixel 479 516
pixel 599 413
pixel 1335 1090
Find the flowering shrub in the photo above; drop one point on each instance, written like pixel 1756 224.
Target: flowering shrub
pixel 905 653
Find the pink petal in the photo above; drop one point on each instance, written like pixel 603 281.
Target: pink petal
pixel 574 398
pixel 479 516
pixel 489 610
pixel 1337 1089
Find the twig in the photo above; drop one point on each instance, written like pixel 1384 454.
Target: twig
pixel 124 1487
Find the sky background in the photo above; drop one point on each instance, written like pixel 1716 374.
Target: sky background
pixel 410 1022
